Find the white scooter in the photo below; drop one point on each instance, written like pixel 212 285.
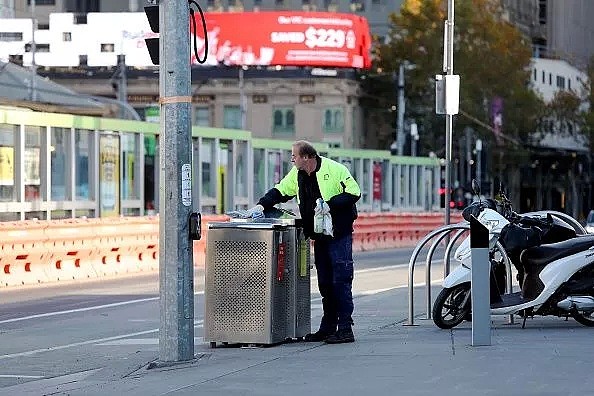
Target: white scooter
pixel 558 279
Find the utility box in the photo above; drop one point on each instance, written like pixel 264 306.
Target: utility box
pixel 257 288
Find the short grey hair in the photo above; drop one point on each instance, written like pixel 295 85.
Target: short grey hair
pixel 305 149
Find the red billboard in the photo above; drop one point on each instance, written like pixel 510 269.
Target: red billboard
pixel 322 39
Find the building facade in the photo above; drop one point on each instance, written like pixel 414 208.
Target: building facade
pixel 314 104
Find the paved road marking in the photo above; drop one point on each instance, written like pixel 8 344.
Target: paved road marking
pixel 141 300
pixel 197 323
pixel 21 376
pixel 91 308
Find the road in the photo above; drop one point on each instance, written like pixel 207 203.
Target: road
pixel 55 331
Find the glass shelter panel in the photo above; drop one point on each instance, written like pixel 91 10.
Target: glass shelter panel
pixel 129 152
pixel 59 160
pixel 259 173
pixel 365 182
pixel 8 192
pixel 241 169
pixel 274 168
pixel 83 169
pixel 32 164
pixel 208 176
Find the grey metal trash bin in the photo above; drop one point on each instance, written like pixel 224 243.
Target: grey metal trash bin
pixel 257 288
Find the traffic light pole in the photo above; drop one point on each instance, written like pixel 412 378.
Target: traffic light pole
pixel 176 271
pixel 449 69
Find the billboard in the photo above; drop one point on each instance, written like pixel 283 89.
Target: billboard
pixel 289 38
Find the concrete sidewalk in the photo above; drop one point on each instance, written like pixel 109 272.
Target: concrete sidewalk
pixel 549 357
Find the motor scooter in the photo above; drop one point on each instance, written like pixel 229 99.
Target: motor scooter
pixel 558 278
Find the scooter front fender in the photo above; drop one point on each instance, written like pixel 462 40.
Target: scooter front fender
pixel 458 276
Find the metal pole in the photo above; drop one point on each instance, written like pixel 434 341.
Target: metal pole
pixel 242 99
pixel 176 271
pixel 479 149
pixel 479 284
pixel 33 83
pixel 449 118
pixel 468 132
pixel 123 83
pixel 400 119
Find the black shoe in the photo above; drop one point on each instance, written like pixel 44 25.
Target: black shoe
pixel 341 337
pixel 318 336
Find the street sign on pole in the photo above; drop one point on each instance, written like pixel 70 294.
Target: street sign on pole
pixel 449 70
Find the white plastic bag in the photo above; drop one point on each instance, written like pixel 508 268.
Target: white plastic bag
pixel 322 218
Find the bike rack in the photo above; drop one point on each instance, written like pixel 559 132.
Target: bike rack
pixel 444 231
pixel 430 257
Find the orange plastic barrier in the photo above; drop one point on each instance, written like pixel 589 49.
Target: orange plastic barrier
pixel 23 253
pixel 33 252
pixel 394 230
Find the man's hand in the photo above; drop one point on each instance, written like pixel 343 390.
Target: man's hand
pixel 255 213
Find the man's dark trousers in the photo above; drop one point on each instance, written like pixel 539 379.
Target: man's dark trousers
pixel 334 265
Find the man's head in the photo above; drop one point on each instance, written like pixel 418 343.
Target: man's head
pixel 303 155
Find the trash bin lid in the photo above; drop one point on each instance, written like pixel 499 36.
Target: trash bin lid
pixel 244 224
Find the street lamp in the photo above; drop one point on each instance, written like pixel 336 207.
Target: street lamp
pixel 399 80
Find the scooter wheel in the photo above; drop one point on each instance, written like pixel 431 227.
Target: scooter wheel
pixel 585 318
pixel 452 306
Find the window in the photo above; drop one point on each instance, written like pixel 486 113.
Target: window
pixel 550 78
pixel 259 99
pixel 535 76
pixel 569 83
pixel 42 2
pixel 232 117
pixel 543 77
pixel 66 36
pixel 11 36
pixel 560 82
pixel 333 120
pixel 357 5
pixel 283 120
pixel 202 116
pixel 331 5
pixel 38 47
pixel 107 47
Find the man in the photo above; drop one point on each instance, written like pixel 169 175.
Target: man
pixel 311 178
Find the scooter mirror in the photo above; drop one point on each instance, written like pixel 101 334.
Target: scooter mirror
pixel 476 189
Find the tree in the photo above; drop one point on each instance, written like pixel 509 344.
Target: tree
pixel 490 55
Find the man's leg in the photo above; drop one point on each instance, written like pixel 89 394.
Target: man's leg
pixel 341 254
pixel 324 270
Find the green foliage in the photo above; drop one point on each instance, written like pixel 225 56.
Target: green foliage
pixel 491 57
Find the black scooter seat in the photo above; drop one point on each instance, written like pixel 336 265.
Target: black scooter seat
pixel 542 255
